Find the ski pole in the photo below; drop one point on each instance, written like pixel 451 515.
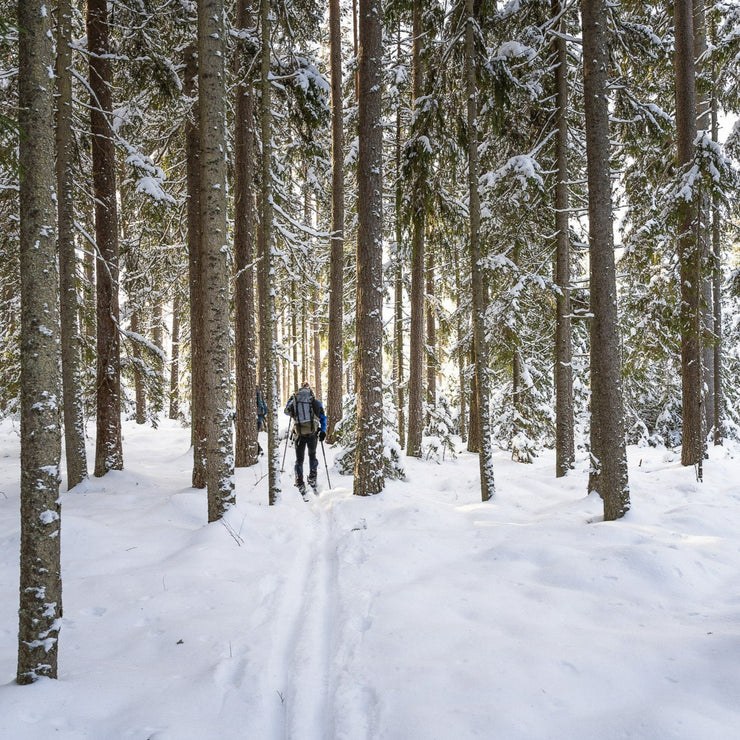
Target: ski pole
pixel 323 452
pixel 285 451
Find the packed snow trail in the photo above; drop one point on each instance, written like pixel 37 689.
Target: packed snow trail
pixel 302 641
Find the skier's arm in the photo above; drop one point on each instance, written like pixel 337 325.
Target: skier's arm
pixel 319 409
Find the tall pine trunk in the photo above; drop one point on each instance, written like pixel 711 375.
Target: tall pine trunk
pixel 336 260
pixel 269 376
pixel 688 246
pixel 175 359
pixel 244 314
pixel 197 329
pixel 564 435
pixel 139 389
pixel 460 329
pixel 716 276
pixel 217 366
pixel 703 227
pixel 481 407
pixel 369 477
pixel 418 225
pixel 40 609
pixel 609 476
pixel 398 318
pixel 74 422
pixel 108 449
pixel 431 332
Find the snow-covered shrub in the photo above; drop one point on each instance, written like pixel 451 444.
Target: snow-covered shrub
pixel 346 437
pixel 437 441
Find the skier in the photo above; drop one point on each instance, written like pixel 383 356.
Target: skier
pixel 261 416
pixel 308 428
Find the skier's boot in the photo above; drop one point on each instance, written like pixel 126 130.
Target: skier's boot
pixel 301 486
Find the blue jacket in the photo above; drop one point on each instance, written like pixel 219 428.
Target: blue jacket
pixel 261 405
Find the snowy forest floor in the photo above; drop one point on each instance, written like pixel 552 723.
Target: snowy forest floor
pixel 420 613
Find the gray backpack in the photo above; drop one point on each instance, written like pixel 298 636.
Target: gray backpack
pixel 306 422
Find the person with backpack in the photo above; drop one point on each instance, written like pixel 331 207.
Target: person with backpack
pixel 309 426
pixel 261 410
pixel 261 416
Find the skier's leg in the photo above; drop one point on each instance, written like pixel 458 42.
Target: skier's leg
pixel 300 451
pixel 313 461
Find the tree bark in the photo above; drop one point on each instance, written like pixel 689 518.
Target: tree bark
pixel 197 352
pixel 369 477
pixel 688 247
pixel 212 91
pixel 460 330
pixel 418 225
pixel 609 462
pixel 74 421
pixel 108 449
pixel 175 359
pixel 139 390
pixel 716 279
pixel 336 260
pixel 481 408
pixel 431 333
pixel 269 377
pixel 40 609
pixel 704 223
pixel 316 334
pixel 473 416
pixel 244 216
pixel 398 319
pixel 564 425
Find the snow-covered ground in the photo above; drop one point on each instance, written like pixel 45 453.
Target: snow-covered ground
pixel 420 613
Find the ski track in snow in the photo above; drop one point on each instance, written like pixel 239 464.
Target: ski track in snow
pixel 302 640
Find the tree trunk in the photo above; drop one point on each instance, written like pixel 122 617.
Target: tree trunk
pixel 473 431
pixel 703 228
pixel 217 370
pixel 418 225
pixel 175 359
pixel 564 425
pixel 139 390
pixel 108 449
pixel 480 344
pixel 74 421
pixel 431 338
pixel 197 352
pixel 297 376
pixel 688 248
pixel 269 380
pixel 716 280
pixel 336 260
pixel 40 609
pixel 398 374
pixel 244 216
pixel 609 462
pixel 316 334
pixel 460 329
pixel 356 48
pixel 157 392
pixel 369 477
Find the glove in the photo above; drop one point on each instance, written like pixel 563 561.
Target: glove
pixel 322 435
